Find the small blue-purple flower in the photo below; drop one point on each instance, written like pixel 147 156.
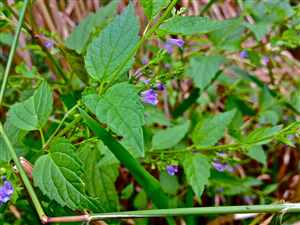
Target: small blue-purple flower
pixel 48 44
pixel 150 97
pixel 6 191
pixel 145 60
pixel 244 54
pixel 172 42
pixel 265 60
pixel 172 170
pixel 160 86
pixel 221 167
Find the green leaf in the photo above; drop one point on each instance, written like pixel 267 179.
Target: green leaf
pixel 257 153
pixel 121 109
pixel 259 29
pixel 202 69
pixel 211 129
pixel 152 7
pixel 110 54
pixel 169 183
pixel 80 36
pixel 189 25
pixel 197 171
pixel 58 175
pixel 99 175
pixel 169 137
pixel 33 113
pixel 15 135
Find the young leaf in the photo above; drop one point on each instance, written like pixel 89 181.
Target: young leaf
pixel 58 173
pixel 33 113
pixel 189 25
pixel 197 171
pixel 110 52
pixel 260 136
pixel 152 7
pixel 121 109
pixel 168 138
pixel 257 153
pixel 100 177
pixel 79 38
pixel 210 130
pixel 202 69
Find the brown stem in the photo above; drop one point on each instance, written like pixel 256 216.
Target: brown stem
pixel 67 219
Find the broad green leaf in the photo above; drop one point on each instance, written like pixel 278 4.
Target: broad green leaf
pixel 169 183
pixel 152 7
pixel 15 135
pixel 100 177
pixel 58 175
pixel 80 36
pixel 140 201
pixel 197 171
pixel 202 69
pixel 169 137
pixel 121 109
pixel 210 130
pixel 111 53
pixel 33 113
pixel 257 153
pixel 155 116
pixel 189 25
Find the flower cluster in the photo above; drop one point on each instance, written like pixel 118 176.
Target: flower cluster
pixel 221 167
pixel 6 190
pixel 150 96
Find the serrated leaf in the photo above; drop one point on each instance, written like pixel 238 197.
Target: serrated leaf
pixel 110 54
pixel 33 113
pixel 260 136
pixel 169 137
pixel 189 25
pixel 57 174
pixel 152 7
pixel 121 109
pixel 197 171
pixel 80 36
pixel 211 129
pixel 202 69
pixel 15 135
pixel 257 153
pixel 99 175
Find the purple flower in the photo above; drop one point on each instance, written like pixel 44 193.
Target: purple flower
pixel 171 43
pixel 244 54
pixel 265 60
pixel 5 192
pixel 221 167
pixel 145 60
pixel 172 170
pixel 249 199
pixel 160 86
pixel 150 97
pixel 48 44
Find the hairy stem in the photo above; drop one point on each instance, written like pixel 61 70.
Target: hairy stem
pixel 13 50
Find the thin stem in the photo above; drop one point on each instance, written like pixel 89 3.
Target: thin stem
pixel 144 38
pixel 42 136
pixel 13 50
pixel 68 113
pixel 241 209
pixel 25 179
pixel 207 7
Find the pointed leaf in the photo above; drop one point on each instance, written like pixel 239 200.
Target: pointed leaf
pixel 197 171
pixel 202 69
pixel 121 109
pixel 33 113
pixel 110 52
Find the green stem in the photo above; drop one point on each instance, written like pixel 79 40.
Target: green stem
pixel 207 7
pixel 241 209
pixel 68 113
pixel 42 136
pixel 24 177
pixel 13 50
